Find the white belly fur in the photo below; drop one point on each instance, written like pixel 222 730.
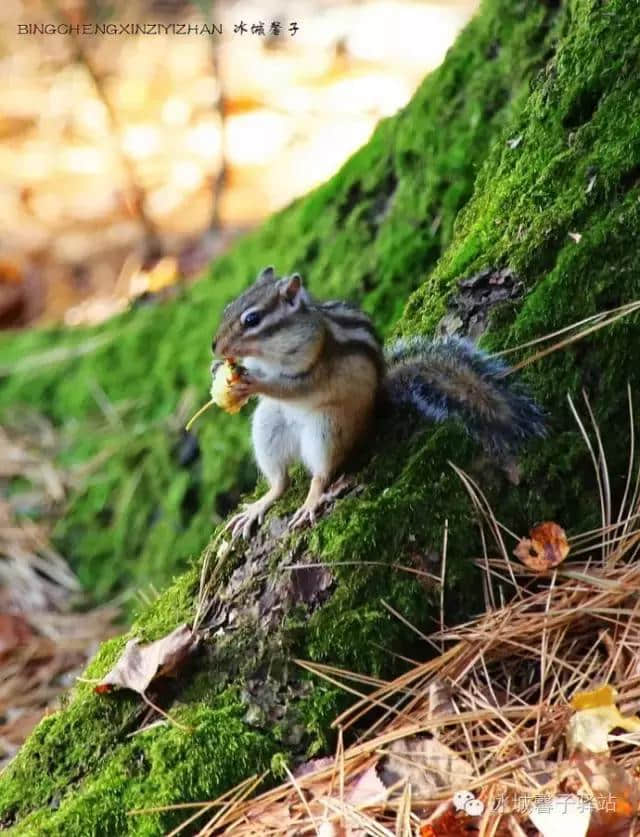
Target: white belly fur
pixel 318 431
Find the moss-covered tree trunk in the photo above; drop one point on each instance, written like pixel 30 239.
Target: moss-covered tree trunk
pixel 529 137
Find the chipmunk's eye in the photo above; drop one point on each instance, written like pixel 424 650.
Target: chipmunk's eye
pixel 250 319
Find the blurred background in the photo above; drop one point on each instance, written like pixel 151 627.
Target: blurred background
pixel 129 159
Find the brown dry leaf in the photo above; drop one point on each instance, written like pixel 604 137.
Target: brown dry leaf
pixel 545 548
pixel 139 665
pixel 597 716
pixel 426 764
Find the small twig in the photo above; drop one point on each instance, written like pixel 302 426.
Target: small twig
pixel 164 714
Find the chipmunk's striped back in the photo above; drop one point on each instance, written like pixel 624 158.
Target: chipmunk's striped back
pixel 352 331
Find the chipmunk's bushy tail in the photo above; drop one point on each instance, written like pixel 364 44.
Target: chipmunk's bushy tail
pixel 452 378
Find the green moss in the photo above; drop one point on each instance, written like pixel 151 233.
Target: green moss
pixel 559 78
pixel 572 169
pixel 160 765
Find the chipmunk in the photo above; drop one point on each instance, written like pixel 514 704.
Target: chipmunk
pixel 320 373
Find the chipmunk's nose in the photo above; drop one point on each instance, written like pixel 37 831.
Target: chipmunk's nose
pixel 219 345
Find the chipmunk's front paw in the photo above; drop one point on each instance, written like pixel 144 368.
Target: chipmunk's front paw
pixel 244 387
pixel 243 522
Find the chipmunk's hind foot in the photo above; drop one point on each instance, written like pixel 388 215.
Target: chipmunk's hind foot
pixel 316 500
pixel 243 522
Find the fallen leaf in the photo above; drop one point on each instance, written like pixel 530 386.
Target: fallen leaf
pixel 561 816
pixel 426 764
pixel 545 548
pixel 596 716
pixel 139 665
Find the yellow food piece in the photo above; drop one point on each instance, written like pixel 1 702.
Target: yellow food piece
pixel 222 390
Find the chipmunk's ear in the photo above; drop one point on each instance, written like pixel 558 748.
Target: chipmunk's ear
pixel 291 289
pixel 267 274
